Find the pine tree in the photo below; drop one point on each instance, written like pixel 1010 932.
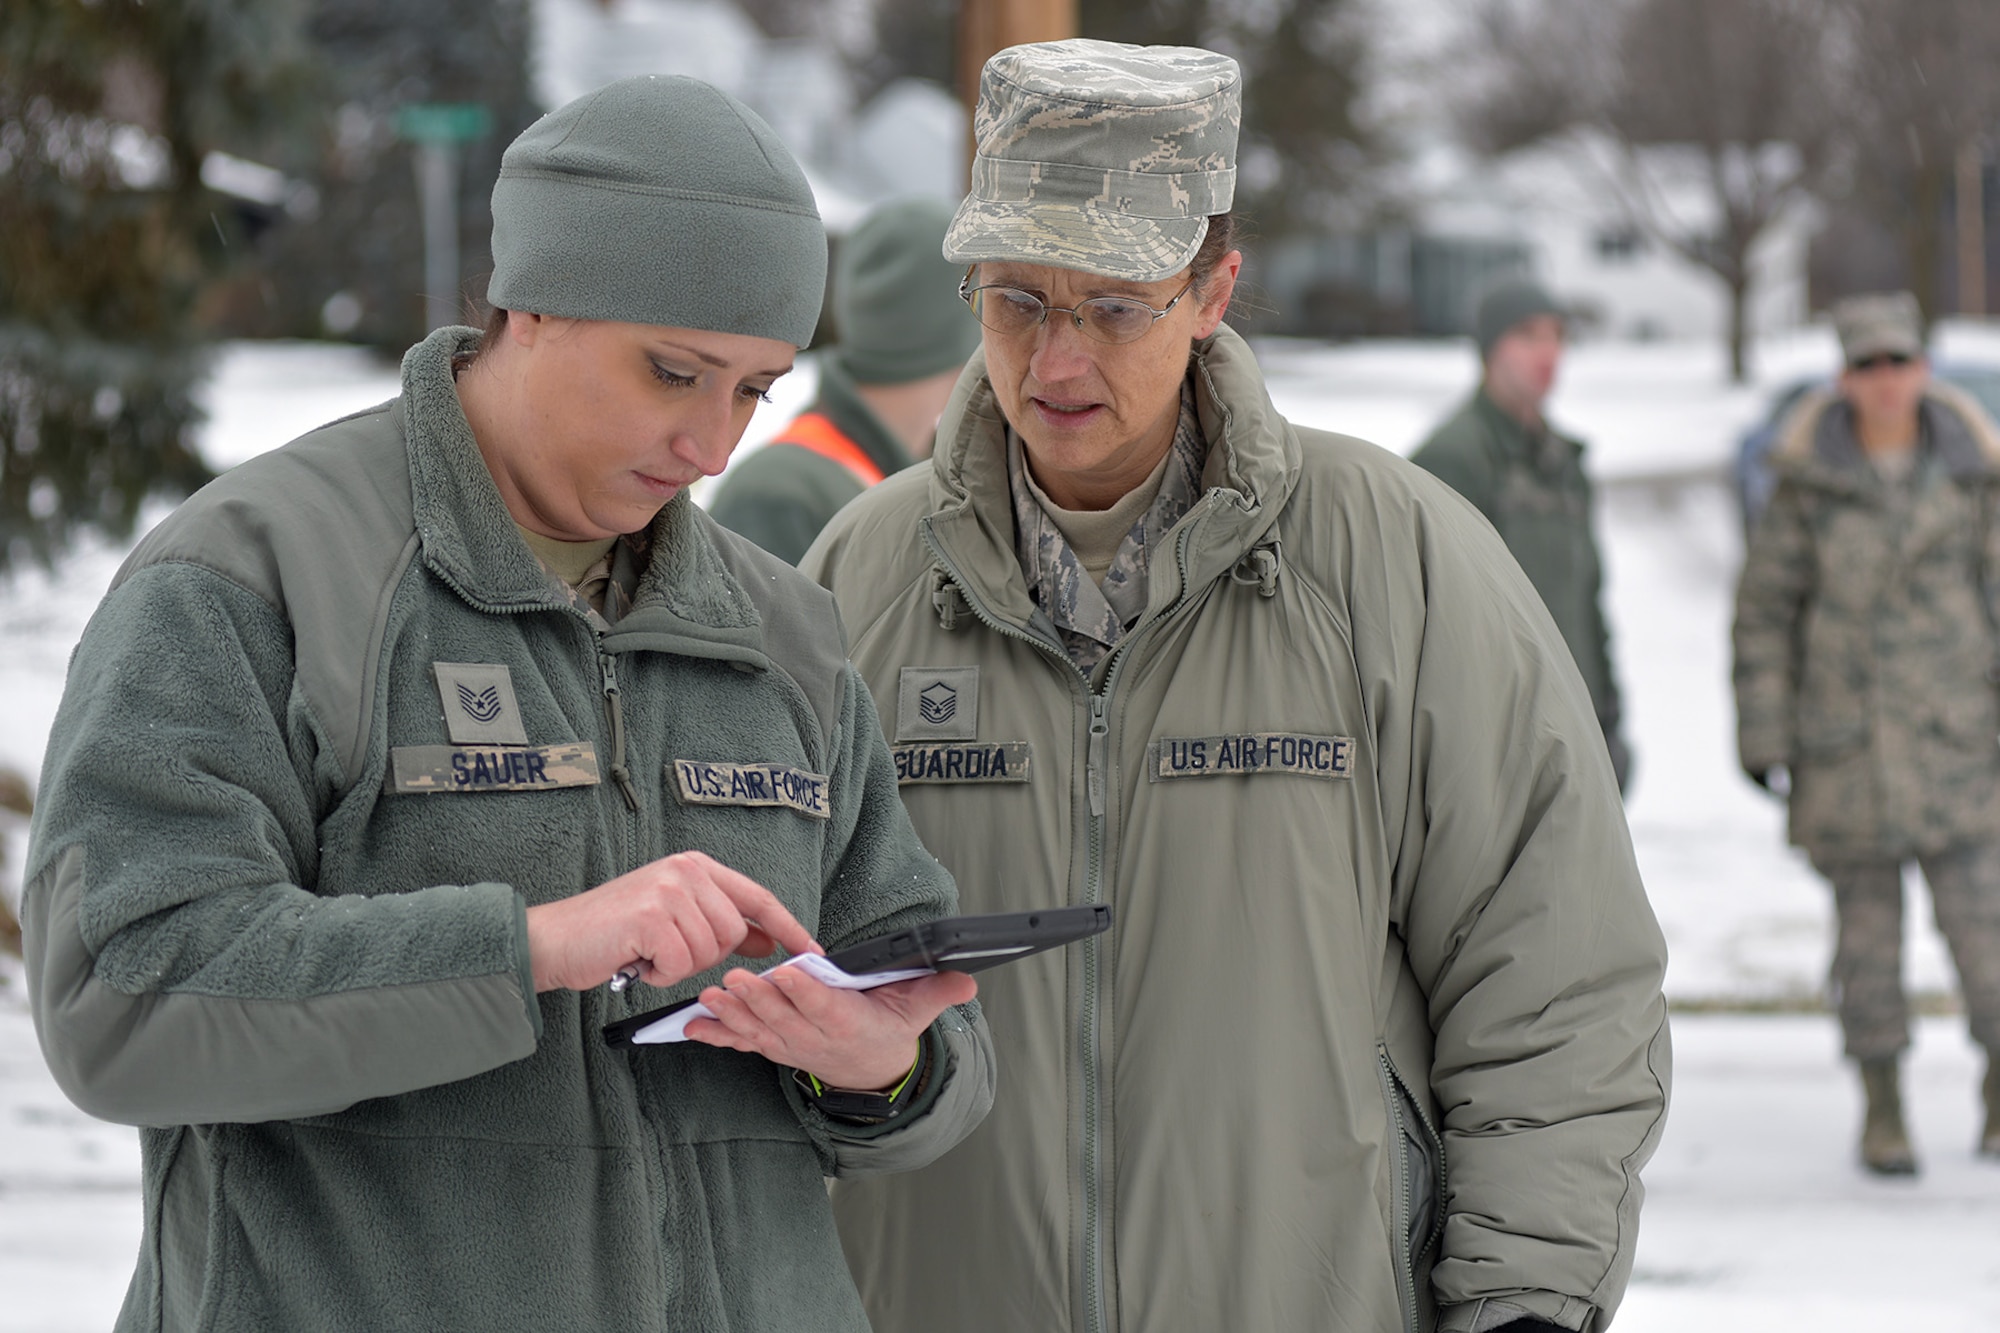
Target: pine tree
pixel 107 237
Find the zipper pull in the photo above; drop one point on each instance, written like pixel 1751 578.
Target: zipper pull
pixel 1100 728
pixel 615 709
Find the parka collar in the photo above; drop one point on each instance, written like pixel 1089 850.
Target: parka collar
pixel 1817 443
pixel 688 601
pixel 1253 466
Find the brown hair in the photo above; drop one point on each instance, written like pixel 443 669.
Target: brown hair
pixel 1220 240
pixel 489 338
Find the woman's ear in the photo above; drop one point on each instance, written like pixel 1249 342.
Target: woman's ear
pixel 1216 292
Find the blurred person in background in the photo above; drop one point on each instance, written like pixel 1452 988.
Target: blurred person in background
pixel 1499 452
pixel 903 336
pixel 1376 1041
pixel 373 768
pixel 1865 662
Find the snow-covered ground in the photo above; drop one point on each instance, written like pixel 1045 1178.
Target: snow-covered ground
pixel 1756 1216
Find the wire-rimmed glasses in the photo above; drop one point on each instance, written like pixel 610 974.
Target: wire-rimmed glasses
pixel 1105 319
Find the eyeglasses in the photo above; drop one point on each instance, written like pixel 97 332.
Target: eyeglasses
pixel 1868 363
pixel 1105 319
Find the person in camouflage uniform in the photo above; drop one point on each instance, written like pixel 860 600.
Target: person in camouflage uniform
pixel 1864 672
pixel 1375 1040
pixel 1498 452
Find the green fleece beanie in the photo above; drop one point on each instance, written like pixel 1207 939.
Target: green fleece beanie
pixel 658 200
pixel 1508 302
pixel 896 310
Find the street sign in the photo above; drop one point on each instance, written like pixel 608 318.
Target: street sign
pixel 443 122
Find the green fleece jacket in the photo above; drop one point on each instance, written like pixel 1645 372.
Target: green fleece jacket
pixel 1378 1026
pixel 782 495
pixel 1533 490
pixel 278 879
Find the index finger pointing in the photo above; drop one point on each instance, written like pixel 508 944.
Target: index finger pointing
pixel 762 909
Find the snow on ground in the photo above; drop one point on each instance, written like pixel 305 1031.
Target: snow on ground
pixel 1756 1216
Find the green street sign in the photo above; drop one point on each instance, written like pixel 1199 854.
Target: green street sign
pixel 443 122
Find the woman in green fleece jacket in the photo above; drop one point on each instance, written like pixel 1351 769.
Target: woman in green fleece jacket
pixel 390 748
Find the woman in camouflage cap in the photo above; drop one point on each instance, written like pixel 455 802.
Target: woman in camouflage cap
pixel 1377 1041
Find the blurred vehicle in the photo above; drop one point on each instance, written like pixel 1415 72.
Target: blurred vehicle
pixel 1754 481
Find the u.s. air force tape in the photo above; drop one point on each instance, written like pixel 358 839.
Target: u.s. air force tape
pixel 702 783
pixel 962 761
pixel 468 768
pixel 1252 753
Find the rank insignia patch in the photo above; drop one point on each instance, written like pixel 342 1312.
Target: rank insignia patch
pixel 479 704
pixel 937 704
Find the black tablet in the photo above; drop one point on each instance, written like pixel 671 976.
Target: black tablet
pixel 953 943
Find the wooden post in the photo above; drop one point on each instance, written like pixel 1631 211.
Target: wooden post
pixel 1971 230
pixel 987 26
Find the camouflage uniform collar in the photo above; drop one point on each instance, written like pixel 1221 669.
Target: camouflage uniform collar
pixel 1091 619
pixel 1253 463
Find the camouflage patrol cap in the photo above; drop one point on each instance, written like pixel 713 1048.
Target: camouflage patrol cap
pixel 1100 157
pixel 1877 324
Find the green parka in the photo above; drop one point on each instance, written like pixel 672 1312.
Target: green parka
pixel 1865 634
pixel 275 910
pixel 1533 490
pixel 1379 1021
pixel 782 495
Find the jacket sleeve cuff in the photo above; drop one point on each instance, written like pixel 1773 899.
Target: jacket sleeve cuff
pixel 524 967
pixel 956 1098
pixel 1496 1312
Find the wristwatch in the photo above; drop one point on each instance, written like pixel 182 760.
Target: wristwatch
pixel 870 1108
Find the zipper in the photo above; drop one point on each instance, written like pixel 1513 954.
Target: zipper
pixel 1096 1223
pixel 1408 1246
pixel 1406 1264
pixel 614 711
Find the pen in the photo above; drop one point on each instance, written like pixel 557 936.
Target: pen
pixel 624 977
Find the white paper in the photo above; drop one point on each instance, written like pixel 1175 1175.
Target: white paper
pixel 674 1026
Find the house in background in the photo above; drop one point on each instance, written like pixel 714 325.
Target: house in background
pixel 1547 211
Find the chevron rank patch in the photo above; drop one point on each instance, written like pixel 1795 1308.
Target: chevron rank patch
pixel 937 704
pixel 479 703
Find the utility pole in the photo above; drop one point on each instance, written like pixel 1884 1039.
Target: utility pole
pixel 989 26
pixel 1971 229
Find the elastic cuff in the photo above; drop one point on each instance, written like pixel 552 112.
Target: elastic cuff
pixel 1492 1313
pixel 524 967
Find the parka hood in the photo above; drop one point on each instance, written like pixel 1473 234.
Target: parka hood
pixel 1817 444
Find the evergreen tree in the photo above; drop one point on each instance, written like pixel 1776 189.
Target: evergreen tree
pixel 107 235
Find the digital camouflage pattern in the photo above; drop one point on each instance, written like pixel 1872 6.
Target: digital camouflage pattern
pixel 1090 618
pixel 1868 950
pixel 1099 156
pixel 1864 635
